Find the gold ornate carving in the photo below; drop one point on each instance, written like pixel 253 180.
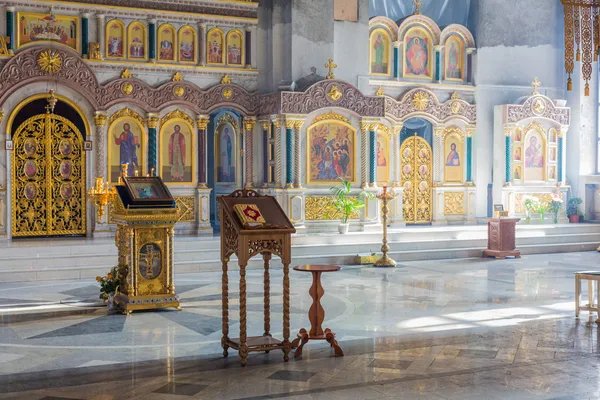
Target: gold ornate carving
pixel 454 129
pixel 331 66
pixel 416 178
pixel 227 93
pixel 202 123
pixel 335 93
pixel 126 74
pixel 420 101
pixel 454 203
pixel 100 119
pixel 455 107
pixel 186 208
pixel 152 122
pixel 3 45
pixel 249 123
pixel 227 118
pixel 126 112
pixel 380 92
pixel 535 125
pixel 178 91
pixel 321 208
pixel 127 88
pixel 226 80
pixel 535 85
pixel 49 61
pixel 417 5
pixel 454 96
pixel 538 106
pixel 332 116
pixel 177 77
pixel 94 51
pixel 177 114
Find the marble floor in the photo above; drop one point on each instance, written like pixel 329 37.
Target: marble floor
pixel 458 329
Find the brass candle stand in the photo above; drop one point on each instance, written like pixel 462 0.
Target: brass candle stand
pixel 385 197
pixel 101 195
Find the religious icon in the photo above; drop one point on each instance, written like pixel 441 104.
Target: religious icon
pixel 137 40
pixel 552 135
pixel 166 43
pixel 226 153
pixel 115 38
pixel 187 44
pixel 127 142
pixel 417 53
pixel 517 135
pixel 453 159
pixel 517 174
pixel 533 154
pixel 35 27
pixel 176 159
pixel 234 48
pixel 423 169
pixel 214 46
pixel 407 185
pixel 380 43
pixel 453 59
pixel 30 168
pixel 30 146
pixel 407 153
pixel 65 147
pixel 145 191
pixel 30 191
pixel 517 156
pixel 332 153
pixel 383 164
pixel 66 191
pixel 552 173
pixel 150 261
pixel 423 186
pixel 423 153
pixel 407 169
pixel 66 168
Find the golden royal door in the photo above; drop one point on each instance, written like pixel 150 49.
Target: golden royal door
pixel 48 178
pixel 416 178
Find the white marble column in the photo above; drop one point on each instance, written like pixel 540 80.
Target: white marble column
pixel 249 124
pixel 100 31
pixel 438 167
pixel 201 43
pixel 100 150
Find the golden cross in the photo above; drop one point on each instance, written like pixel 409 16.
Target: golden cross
pixel 417 5
pixel 331 67
pixel 149 259
pixel 536 84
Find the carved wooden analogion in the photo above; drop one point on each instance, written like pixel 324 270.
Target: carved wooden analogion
pixel 274 237
pixel 501 238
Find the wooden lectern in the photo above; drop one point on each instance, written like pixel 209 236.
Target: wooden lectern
pixel 246 239
pixel 501 238
pixel 145 213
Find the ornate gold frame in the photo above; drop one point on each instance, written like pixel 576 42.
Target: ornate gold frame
pixel 125 43
pixel 243 49
pixel 179 34
pixel 389 51
pixel 405 72
pixel 175 43
pixel 126 113
pixel 453 131
pixel 178 115
pixel 130 27
pixel 223 41
pixel 461 53
pixel 20 14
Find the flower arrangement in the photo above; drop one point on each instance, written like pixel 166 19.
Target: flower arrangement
pixel 531 204
pixel 555 206
pixel 109 284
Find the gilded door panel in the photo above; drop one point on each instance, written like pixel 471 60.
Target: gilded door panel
pixel 48 175
pixel 416 178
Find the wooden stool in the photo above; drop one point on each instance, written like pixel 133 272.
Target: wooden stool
pixel 590 276
pixel 316 314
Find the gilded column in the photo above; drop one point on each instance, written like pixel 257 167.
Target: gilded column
pixel 297 148
pixel 152 122
pixel 396 46
pixel 249 123
pixel 289 155
pixel 10 29
pixel 152 39
pixel 561 135
pixel 278 175
pixel 363 155
pixel 438 168
pixel 248 47
pixel 470 133
pixel 201 43
pixel 265 131
pixel 100 33
pixel 202 122
pixel 373 155
pixel 101 162
pixel 85 38
pixel 508 152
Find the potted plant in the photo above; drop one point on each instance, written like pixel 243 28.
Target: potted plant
pixel 573 209
pixel 109 284
pixel 345 204
pixel 555 206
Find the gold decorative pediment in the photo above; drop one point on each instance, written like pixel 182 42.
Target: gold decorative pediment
pixel 420 101
pixel 177 114
pixel 125 112
pixel 332 116
pixel 454 130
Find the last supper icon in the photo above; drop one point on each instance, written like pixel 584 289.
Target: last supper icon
pixel 150 261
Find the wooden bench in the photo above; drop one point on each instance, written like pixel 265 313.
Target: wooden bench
pixel 589 276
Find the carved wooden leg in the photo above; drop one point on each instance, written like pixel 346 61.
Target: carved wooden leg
pixel 287 347
pixel 577 295
pixel 243 352
pixel 303 335
pixel 267 258
pixel 225 308
pixel 330 337
pixel 316 313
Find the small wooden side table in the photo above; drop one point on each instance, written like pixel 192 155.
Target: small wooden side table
pixel 501 238
pixel 589 276
pixel 316 313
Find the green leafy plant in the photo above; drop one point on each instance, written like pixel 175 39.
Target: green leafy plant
pixel 109 283
pixel 555 206
pixel 531 204
pixel 573 206
pixel 345 204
